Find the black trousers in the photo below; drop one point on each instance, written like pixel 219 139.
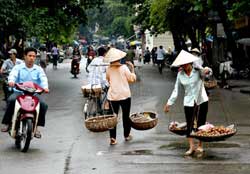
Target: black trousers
pixel 7 118
pixel 55 59
pixel 125 105
pixel 201 114
pixel 160 65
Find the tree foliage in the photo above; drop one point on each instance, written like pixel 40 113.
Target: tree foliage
pixel 114 19
pixel 187 18
pixel 54 20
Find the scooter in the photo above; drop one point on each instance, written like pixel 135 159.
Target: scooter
pixel 75 64
pixel 25 117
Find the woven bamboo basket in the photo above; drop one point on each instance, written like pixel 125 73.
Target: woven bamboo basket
pixel 101 123
pixel 177 130
pixel 210 84
pixel 143 120
pixel 222 137
pixel 180 132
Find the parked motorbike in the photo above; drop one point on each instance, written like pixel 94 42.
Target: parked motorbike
pixel 25 117
pixel 75 66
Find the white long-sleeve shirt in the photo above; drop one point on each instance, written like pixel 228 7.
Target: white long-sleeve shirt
pixel 97 72
pixel 193 86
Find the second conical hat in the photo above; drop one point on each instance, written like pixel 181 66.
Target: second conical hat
pixel 113 55
pixel 184 57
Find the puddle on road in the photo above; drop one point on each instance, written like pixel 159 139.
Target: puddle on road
pixel 174 145
pixel 138 152
pixel 222 145
pixel 181 145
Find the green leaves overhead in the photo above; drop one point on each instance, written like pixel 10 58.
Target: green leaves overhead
pixel 113 19
pixel 53 20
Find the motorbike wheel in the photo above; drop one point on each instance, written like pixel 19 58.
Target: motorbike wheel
pixel 23 141
pixel 60 60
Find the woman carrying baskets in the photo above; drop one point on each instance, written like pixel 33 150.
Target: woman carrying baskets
pixel 195 95
pixel 119 76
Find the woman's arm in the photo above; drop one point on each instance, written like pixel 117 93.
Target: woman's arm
pixel 175 92
pixel 131 77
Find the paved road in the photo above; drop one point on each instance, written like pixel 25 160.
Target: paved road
pixel 67 147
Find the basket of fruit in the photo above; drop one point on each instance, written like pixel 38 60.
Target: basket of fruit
pixel 101 123
pixel 178 128
pixel 143 120
pixel 215 133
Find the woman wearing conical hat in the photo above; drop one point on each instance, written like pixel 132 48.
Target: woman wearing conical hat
pixel 195 95
pixel 119 76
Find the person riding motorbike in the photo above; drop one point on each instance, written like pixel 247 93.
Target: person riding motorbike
pixel 7 67
pixel 76 60
pixel 27 71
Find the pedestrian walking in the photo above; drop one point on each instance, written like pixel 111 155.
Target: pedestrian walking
pixel 55 55
pixel 160 58
pixel 195 98
pixel 199 63
pixel 97 74
pixel 43 57
pixel 154 55
pixel 119 76
pixel 130 54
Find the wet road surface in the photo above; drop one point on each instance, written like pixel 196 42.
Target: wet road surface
pixel 67 147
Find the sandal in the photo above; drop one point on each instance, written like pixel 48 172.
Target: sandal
pixel 189 152
pixel 38 134
pixel 200 150
pixel 113 141
pixel 128 138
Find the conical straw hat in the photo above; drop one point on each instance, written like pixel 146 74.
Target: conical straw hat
pixel 113 55
pixel 184 57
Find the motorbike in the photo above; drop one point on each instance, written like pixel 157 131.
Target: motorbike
pixel 75 64
pixel 25 117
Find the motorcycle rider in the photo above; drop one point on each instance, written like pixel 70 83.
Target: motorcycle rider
pixel 7 67
pixel 27 71
pixel 76 59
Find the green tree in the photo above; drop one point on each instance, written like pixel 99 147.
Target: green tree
pixel 114 18
pixel 55 20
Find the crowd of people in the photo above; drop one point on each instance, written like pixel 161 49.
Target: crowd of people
pixel 114 69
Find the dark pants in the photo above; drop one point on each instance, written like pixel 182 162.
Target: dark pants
pixel 73 63
pixel 201 113
pixel 55 59
pixel 160 65
pixel 11 106
pixel 125 105
pixel 87 64
pixel 5 90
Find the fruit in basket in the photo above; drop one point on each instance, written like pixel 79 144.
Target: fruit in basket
pixel 177 126
pixel 141 117
pixel 215 131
